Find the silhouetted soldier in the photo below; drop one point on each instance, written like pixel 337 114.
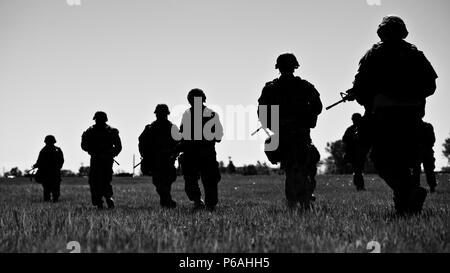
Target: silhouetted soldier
pixel 393 80
pixel 201 130
pixel 355 151
pixel 427 140
pixel 299 106
pixel 49 164
pixel 158 149
pixel 102 142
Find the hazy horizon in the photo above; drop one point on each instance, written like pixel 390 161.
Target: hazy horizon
pixel 62 63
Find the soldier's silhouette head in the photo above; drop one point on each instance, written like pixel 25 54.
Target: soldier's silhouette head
pixel 100 118
pixel 196 93
pixel 287 63
pixel 356 118
pixel 162 111
pixel 392 28
pixel 50 140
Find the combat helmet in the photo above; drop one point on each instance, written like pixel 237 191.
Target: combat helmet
pixel 392 27
pixel 100 116
pixel 50 139
pixel 162 109
pixel 196 92
pixel 287 60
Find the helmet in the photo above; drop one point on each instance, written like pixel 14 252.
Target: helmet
pixel 287 60
pixel 392 27
pixel 196 92
pixel 101 116
pixel 50 139
pixel 356 117
pixel 162 109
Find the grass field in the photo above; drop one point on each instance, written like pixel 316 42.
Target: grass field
pixel 251 217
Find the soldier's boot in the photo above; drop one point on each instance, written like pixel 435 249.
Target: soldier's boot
pixel 416 199
pixel 431 180
pixel 110 202
pixel 199 204
pixel 358 180
pixel 47 194
pixel 167 202
pixel 400 204
pixel 55 196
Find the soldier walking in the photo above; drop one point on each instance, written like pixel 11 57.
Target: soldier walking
pixel 158 149
pixel 393 80
pixel 49 164
pixel 355 151
pixel 103 143
pixel 299 105
pixel 201 130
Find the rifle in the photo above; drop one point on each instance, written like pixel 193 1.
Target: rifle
pixel 345 97
pixel 259 129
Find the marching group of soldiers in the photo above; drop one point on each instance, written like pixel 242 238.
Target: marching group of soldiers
pixel 393 81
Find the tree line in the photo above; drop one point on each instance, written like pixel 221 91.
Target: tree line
pixel 334 164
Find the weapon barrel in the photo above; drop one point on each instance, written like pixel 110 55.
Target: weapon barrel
pixel 335 104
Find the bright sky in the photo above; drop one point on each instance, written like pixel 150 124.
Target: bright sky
pixel 60 63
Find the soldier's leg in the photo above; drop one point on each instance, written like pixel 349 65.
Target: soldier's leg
pixel 210 175
pixel 95 184
pixel 358 179
pixel 47 191
pixel 56 188
pixel 429 166
pixel 191 176
pixel 163 185
pixel 107 189
pixel 396 157
pixel 296 185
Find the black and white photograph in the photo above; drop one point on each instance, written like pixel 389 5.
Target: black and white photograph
pixel 224 135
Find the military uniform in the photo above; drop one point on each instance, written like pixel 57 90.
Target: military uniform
pixel 103 143
pixel 49 164
pixel 299 105
pixel 198 159
pixel 393 80
pixel 158 149
pixel 355 154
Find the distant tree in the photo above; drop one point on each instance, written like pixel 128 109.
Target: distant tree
pixel 249 170
pixel 67 173
pixel 15 172
pixel 231 169
pixel 262 168
pixel 446 151
pixel 335 163
pixel 83 171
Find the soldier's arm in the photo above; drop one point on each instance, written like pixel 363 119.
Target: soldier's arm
pixel 315 103
pixel 117 143
pixel 85 141
pixel 361 84
pixel 142 141
pixel 264 114
pixel 428 76
pixel 60 159
pixel 39 160
pixel 218 128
